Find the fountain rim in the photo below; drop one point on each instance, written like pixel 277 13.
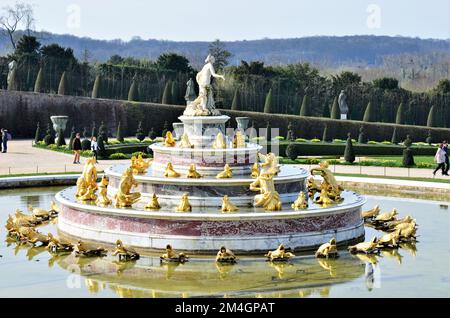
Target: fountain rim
pixel 303 173
pixel 235 216
pixel 250 147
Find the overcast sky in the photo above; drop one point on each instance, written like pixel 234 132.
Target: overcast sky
pixel 189 20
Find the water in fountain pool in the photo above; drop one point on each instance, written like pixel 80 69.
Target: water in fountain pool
pixel 411 271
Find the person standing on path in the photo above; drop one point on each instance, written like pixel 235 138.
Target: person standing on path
pixel 76 146
pixel 1 143
pixel 4 140
pixel 440 159
pixel 94 147
pixel 446 157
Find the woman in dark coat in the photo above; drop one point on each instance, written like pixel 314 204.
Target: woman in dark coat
pixel 76 146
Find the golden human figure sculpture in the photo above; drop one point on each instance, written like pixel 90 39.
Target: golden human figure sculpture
pixel 255 170
pixel 103 199
pixel 89 195
pixel 219 142
pixel 301 203
pixel 170 172
pixel 139 165
pixel 238 140
pixel 184 142
pixel 153 204
pixel 270 164
pixel 226 173
pixel 38 213
pixel 184 205
pixel 169 141
pixel 192 172
pixel 88 178
pixel 227 206
pixel 329 182
pixel 124 197
pixel 268 198
pixel 125 253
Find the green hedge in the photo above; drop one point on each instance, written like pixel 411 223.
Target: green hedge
pixel 336 149
pixel 82 111
pixel 127 149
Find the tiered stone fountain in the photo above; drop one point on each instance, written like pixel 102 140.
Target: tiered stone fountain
pixel 206 228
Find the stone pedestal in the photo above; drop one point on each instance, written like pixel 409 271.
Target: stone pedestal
pixel 203 130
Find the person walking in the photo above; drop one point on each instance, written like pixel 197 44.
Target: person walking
pixel 76 146
pixel 440 160
pixel 446 157
pixel 1 143
pixel 94 147
pixel 5 138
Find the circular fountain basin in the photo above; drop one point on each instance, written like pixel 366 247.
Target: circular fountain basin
pixel 205 230
pixel 208 161
pixel 208 191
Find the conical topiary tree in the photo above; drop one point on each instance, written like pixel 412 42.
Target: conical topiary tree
pixel 133 95
pixel 326 111
pixel 335 110
pixel 103 131
pixel 394 138
pixel 152 134
pixel 369 114
pixel 49 138
pixel 167 98
pixel 290 133
pixel 165 129
pixel 305 109
pixel 429 138
pixel 236 102
pixel 86 143
pixel 325 135
pixel 400 117
pixel 62 88
pixel 13 81
pixel 101 146
pixel 96 88
pixel 268 105
pixel 432 117
pixel 39 81
pixel 349 153
pixel 139 132
pixel 362 136
pixel 174 93
pixel 94 132
pixel 37 135
pixel 119 134
pixel 60 141
pixel 72 137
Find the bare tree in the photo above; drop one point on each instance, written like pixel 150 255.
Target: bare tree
pixel 14 16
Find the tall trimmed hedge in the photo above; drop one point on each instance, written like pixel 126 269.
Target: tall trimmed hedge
pixel 335 110
pixel 82 111
pixel 269 102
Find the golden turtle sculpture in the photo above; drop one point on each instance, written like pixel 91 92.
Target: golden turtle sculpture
pixel 81 250
pixel 372 213
pixel 57 245
pixel 390 240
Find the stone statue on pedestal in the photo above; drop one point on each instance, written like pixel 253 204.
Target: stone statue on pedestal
pixel 204 105
pixel 342 101
pixel 190 95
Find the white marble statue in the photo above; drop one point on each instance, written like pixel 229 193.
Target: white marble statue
pixel 11 66
pixel 342 102
pixel 203 105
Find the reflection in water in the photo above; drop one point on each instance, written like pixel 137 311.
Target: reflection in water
pixel 250 277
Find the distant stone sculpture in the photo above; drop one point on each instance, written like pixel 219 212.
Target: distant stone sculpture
pixel 343 107
pixel 190 95
pixel 204 105
pixel 11 66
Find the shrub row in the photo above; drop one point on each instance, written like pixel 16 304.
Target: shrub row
pixel 295 149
